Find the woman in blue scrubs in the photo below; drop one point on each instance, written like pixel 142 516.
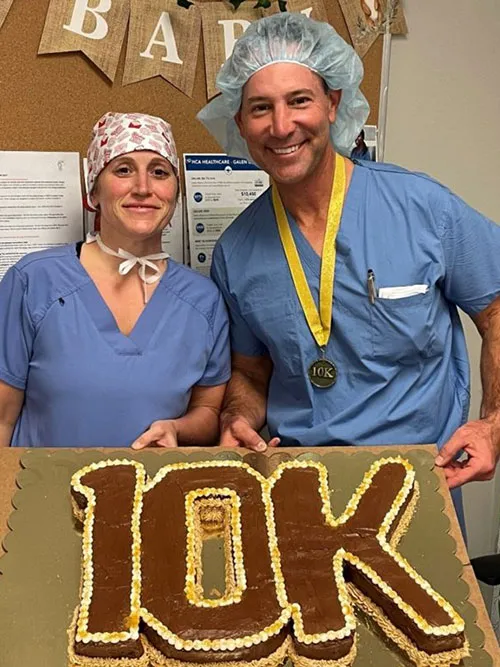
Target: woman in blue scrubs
pixel 110 343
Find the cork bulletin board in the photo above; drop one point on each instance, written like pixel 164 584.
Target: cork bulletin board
pixel 50 102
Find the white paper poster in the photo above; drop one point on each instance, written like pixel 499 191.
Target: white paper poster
pixel 218 189
pixel 40 203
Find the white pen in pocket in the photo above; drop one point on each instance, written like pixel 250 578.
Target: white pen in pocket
pixel 402 291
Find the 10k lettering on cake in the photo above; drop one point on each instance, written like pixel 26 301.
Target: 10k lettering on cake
pixel 293 570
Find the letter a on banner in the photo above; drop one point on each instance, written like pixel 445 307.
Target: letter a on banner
pixel 163 42
pixel 94 27
pixel 5 5
pixel 222 26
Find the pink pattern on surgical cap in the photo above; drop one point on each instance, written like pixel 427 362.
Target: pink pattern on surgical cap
pixel 118 133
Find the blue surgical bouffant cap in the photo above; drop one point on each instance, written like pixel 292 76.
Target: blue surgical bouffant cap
pixel 292 38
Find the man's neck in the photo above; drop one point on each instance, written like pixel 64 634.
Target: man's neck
pixel 308 202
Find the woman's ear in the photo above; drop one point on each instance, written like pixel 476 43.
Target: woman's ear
pixel 93 198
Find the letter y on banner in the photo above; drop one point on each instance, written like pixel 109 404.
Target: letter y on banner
pixel 5 5
pixel 367 19
pixel 94 27
pixel 163 40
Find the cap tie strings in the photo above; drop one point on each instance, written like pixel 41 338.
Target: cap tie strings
pixel 130 260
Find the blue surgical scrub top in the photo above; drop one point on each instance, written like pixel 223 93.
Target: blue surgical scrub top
pixel 403 372
pixel 88 385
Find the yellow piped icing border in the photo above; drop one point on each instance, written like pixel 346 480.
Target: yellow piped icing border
pixel 289 610
pixel 82 633
pixel 445 658
pixel 217 644
pixel 456 626
pixel 228 501
pixel 405 519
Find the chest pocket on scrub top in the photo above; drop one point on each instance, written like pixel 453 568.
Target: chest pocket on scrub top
pixel 402 326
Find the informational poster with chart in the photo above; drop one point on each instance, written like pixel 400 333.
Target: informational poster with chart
pixel 40 203
pixel 218 189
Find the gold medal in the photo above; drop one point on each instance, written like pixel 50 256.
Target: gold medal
pixel 322 373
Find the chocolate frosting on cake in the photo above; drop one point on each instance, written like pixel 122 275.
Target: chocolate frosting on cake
pixel 164 539
pixel 109 609
pixel 288 562
pixel 308 544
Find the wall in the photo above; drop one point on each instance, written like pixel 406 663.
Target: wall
pixel 443 116
pixel 67 91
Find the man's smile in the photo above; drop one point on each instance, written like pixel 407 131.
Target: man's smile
pixel 286 150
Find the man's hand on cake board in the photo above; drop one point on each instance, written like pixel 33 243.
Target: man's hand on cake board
pixel 479 440
pixel 239 433
pixel 244 408
pixel 161 433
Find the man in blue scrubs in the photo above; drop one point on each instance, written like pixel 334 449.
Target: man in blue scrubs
pixel 343 280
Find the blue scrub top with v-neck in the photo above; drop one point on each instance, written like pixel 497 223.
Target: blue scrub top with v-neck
pixel 88 385
pixel 403 371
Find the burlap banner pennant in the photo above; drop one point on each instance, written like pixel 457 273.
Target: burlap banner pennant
pixel 367 19
pixel 222 26
pixel 314 9
pixel 392 10
pixel 163 40
pixel 94 27
pixel 5 5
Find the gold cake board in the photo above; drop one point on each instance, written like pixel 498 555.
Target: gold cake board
pixel 41 571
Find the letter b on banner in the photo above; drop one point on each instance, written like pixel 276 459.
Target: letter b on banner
pixel 94 27
pixel 80 11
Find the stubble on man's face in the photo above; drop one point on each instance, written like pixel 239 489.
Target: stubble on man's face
pixel 285 119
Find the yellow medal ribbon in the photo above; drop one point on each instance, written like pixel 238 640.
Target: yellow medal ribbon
pixel 319 323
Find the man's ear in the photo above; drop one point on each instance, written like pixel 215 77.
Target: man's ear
pixel 334 96
pixel 238 121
